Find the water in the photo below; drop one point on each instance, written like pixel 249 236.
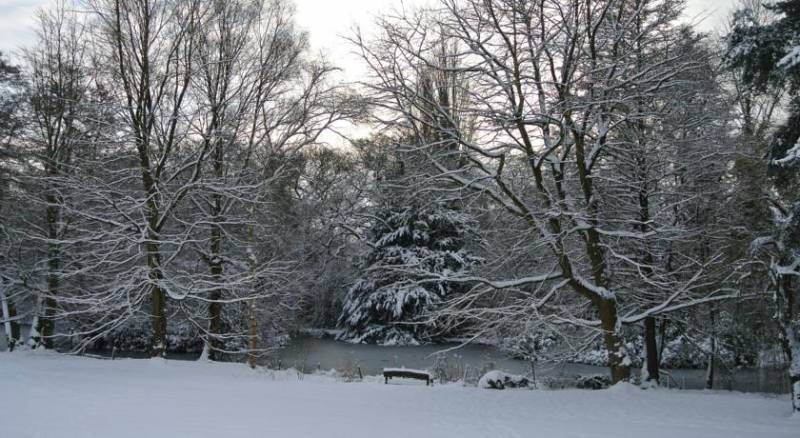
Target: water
pixel 308 354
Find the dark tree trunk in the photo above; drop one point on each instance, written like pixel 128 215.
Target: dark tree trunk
pixel 214 326
pixel 15 334
pixel 46 324
pixel 662 334
pixel 713 353
pixel 789 335
pixel 158 318
pixel 651 347
pixel 216 267
pixel 46 327
pixel 159 323
pixel 251 306
pixel 215 306
pixel 618 361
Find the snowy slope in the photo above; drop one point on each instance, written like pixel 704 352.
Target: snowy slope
pixel 48 395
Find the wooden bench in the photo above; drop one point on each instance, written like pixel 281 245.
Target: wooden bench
pixel 406 373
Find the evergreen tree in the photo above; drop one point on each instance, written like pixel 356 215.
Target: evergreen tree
pixel 416 247
pixel 768 55
pixel 418 240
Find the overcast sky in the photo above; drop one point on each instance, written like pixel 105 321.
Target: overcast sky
pixel 325 20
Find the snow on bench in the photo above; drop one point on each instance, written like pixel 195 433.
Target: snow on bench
pixel 407 373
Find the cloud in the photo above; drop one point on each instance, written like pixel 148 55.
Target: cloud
pixel 16 23
pixel 325 20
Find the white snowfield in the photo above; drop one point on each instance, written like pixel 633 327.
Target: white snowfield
pixel 53 396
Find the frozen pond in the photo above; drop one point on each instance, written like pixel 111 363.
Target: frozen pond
pixel 309 354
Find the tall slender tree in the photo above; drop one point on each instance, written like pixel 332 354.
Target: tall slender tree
pixel 59 91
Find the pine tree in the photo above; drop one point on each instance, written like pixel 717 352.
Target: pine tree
pixel 768 55
pixel 415 247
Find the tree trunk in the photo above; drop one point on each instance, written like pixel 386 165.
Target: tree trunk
pixel 789 329
pixel 46 320
pixel 215 306
pixel 713 353
pixel 215 317
pixel 794 366
pixel 16 335
pixel 663 337
pixel 46 324
pixel 158 323
pixel 42 326
pixel 214 326
pixel 10 326
pixel 710 368
pixel 158 318
pixel 650 374
pixel 253 344
pixel 618 360
pixel 252 319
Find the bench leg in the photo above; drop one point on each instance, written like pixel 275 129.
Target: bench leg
pixel 387 381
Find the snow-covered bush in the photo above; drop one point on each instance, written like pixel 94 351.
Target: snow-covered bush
pixel 499 380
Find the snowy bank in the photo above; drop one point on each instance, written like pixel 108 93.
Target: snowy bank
pixel 50 395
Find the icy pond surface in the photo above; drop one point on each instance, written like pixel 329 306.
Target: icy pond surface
pixel 309 354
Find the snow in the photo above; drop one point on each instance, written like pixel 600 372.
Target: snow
pixel 49 395
pixel 491 375
pixel 791 59
pixel 407 370
pixel 792 155
pixel 490 379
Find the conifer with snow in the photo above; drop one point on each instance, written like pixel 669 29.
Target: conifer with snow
pixel 765 50
pixel 415 248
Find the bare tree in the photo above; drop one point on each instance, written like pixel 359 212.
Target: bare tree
pixel 184 145
pixel 59 87
pixel 10 128
pixel 264 101
pixel 553 92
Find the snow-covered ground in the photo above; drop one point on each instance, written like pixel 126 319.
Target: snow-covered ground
pixel 54 396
